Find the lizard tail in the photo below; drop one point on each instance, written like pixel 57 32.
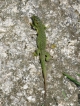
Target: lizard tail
pixel 42 59
pixel 44 76
pixel 45 104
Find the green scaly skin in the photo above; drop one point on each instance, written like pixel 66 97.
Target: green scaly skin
pixel 41 45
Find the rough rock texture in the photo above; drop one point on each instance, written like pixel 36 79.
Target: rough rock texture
pixel 21 81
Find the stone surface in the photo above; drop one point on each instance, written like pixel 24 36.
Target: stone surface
pixel 21 81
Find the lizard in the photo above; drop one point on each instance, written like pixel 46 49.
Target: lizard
pixel 41 47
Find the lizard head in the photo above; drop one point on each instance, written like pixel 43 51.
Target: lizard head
pixel 35 20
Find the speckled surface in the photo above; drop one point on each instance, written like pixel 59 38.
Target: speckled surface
pixel 21 81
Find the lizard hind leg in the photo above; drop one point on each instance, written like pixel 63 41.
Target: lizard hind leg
pixel 47 56
pixel 37 52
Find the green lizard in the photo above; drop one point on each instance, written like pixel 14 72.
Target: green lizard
pixel 41 45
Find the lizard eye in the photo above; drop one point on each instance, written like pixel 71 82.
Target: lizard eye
pixel 36 22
